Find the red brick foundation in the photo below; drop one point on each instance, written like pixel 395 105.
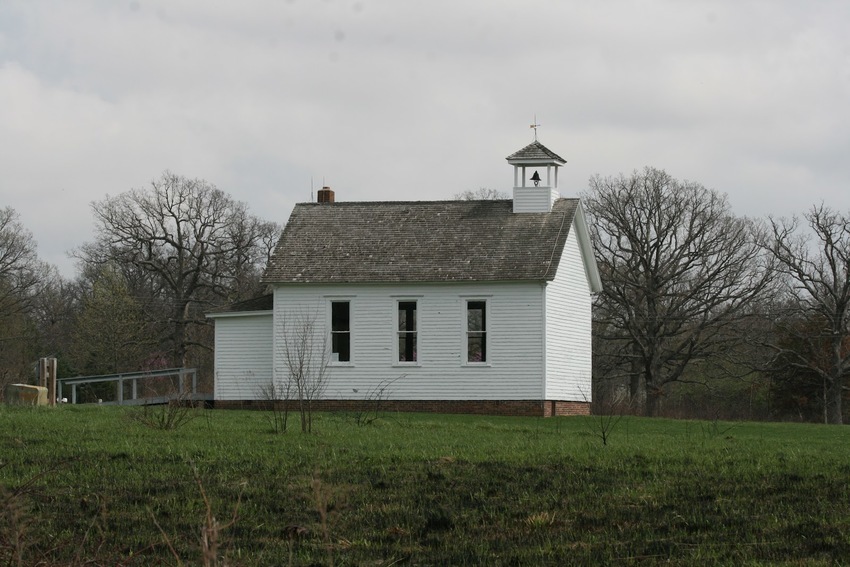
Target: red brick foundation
pixel 526 408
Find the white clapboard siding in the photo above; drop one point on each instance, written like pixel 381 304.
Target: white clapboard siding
pixel 534 199
pixel 515 336
pixel 568 332
pixel 243 355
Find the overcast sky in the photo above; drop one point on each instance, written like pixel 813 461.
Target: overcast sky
pixel 404 100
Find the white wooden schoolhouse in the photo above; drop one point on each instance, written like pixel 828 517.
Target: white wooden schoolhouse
pixel 446 306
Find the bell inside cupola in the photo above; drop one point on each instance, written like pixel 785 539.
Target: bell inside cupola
pixel 535 193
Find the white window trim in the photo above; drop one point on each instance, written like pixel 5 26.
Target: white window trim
pixel 396 361
pixel 329 301
pixel 464 349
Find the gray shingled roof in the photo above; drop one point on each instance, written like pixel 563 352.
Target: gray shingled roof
pixel 262 303
pixel 425 241
pixel 535 151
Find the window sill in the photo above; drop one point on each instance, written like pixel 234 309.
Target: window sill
pixel 416 364
pixel 340 364
pixel 476 365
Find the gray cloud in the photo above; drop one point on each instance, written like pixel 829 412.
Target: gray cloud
pixel 410 100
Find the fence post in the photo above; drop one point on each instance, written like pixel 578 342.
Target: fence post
pixel 47 378
pixel 42 372
pixel 120 390
pixel 51 384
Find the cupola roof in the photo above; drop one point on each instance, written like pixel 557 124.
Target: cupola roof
pixel 535 152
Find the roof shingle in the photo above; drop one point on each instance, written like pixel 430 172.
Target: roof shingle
pixel 535 151
pixel 420 241
pixel 261 303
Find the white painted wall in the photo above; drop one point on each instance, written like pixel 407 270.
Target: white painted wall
pixel 243 355
pixel 568 331
pixel 534 199
pixel 515 367
pixel 248 347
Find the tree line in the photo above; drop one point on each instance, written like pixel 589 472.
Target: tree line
pixel 162 256
pixel 703 312
pixel 734 313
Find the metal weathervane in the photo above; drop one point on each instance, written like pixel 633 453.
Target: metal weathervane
pixel 535 126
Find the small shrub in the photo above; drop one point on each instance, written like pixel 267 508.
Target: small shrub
pixel 169 416
pixel 277 397
pixel 373 403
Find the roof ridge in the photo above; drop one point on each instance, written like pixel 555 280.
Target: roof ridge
pixel 429 202
pixel 411 202
pixel 528 152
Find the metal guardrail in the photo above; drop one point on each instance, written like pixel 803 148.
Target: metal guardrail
pixel 183 376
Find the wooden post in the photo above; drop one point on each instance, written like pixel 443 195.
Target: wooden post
pixel 47 369
pixel 42 372
pixel 52 369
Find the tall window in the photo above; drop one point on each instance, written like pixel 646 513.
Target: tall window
pixel 406 331
pixel 340 331
pixel 476 331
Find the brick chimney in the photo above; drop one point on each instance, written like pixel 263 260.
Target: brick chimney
pixel 325 195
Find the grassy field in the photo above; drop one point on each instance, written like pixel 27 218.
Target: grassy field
pixel 90 486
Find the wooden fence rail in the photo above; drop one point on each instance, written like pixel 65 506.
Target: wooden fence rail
pixel 180 380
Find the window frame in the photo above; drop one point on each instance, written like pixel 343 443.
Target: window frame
pixel 331 332
pixel 486 333
pixel 397 333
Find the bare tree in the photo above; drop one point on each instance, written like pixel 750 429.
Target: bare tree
pixel 305 354
pixel 188 244
pixel 23 278
pixel 21 272
pixel 813 316
pixel 679 271
pixel 55 313
pixel 481 194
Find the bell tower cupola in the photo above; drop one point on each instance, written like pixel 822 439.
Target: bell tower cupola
pixel 535 177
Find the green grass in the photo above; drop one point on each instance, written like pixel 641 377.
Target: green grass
pixel 88 486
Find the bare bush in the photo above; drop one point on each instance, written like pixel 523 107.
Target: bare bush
pixel 305 354
pixel 179 410
pixel 277 395
pixel 607 412
pixel 373 403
